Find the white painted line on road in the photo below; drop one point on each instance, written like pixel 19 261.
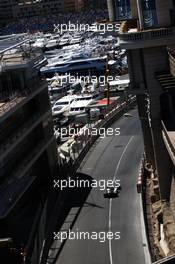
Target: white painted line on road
pixel 110 244
pixel 110 201
pixel 118 165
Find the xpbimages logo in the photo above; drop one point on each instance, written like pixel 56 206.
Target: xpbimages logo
pixel 81 183
pixel 102 28
pixel 101 236
pixel 93 131
pixel 71 79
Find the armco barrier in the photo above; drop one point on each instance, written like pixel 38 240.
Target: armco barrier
pixel 140 177
pixel 167 260
pixel 145 173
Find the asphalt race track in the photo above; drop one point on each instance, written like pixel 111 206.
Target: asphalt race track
pixel 113 157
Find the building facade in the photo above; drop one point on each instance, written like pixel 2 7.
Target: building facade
pixel 6 9
pixel 28 154
pixel 149 38
pixel 15 9
pixel 24 9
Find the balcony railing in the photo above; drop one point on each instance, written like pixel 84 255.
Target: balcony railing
pixel 172 63
pixel 12 189
pixel 8 102
pixel 169 140
pixel 129 32
pixel 9 143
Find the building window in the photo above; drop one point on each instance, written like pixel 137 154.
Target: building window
pixel 149 13
pixel 122 8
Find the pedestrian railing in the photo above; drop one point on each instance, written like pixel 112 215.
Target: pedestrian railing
pixel 8 101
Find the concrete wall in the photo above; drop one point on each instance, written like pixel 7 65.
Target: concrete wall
pixel 143 65
pixel 135 68
pixel 137 73
pixel 156 60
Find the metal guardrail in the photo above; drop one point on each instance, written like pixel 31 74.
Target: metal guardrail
pixel 167 260
pixel 143 190
pixel 170 259
pixel 168 140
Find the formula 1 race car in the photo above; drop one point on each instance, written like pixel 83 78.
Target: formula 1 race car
pixel 111 192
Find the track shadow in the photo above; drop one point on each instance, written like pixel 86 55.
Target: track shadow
pixel 75 199
pixel 87 204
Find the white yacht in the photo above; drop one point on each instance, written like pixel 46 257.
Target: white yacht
pixel 75 64
pixel 76 40
pixel 57 87
pixel 78 107
pixel 61 57
pixel 53 43
pixel 120 84
pixel 80 103
pixel 48 36
pixel 72 47
pixel 40 43
pixel 64 40
pixel 63 105
pixel 52 53
pixel 56 93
